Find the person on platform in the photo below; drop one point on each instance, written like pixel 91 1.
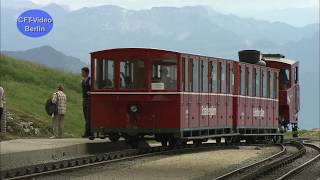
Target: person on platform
pixel 60 99
pixel 2 119
pixel 86 84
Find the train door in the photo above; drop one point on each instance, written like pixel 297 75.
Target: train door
pixel 185 89
pixel 263 110
pixel 269 102
pixel 275 102
pixel 230 91
pixel 213 117
pixel 242 95
pixel 222 110
pixel 256 99
pixel 204 107
pixel 249 100
pixel 193 96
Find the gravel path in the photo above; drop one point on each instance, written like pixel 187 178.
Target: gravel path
pixel 201 165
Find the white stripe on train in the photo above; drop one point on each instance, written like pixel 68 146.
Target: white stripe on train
pixel 192 93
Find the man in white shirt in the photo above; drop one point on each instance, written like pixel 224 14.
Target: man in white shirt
pixel 60 99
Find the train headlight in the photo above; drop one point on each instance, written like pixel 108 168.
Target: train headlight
pixel 133 108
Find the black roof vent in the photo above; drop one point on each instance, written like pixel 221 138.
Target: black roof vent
pixel 274 55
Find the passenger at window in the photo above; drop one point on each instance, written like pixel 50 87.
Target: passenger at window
pixel 166 79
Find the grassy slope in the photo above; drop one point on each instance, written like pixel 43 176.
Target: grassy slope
pixel 28 86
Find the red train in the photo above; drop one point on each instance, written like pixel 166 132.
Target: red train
pixel 176 97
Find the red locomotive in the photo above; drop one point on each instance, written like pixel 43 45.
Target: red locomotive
pixel 176 97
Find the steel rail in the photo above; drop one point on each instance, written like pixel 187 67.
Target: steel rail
pixel 304 165
pixel 93 160
pixel 242 169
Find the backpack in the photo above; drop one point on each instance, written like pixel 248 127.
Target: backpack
pixel 51 108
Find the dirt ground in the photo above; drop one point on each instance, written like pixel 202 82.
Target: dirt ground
pixel 201 165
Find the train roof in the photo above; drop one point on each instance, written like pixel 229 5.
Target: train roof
pixel 282 60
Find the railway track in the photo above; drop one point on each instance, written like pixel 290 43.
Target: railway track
pixel 280 166
pixel 99 159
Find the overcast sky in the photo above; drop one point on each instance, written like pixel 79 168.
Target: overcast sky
pixel 221 5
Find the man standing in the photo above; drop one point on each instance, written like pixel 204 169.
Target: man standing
pixel 86 83
pixel 60 99
pixel 2 115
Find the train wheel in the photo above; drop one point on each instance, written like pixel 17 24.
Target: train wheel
pixel 218 140
pixel 132 140
pixel 197 142
pixel 173 142
pixel 164 142
pixel 228 140
pixel 279 139
pixel 114 137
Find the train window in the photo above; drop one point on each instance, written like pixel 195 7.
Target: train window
pixel 264 83
pixel 186 75
pixel 231 79
pixel 223 78
pixel 219 77
pixel 296 75
pixel 242 80
pixel 104 73
pixel 213 77
pixel 132 74
pixel 257 82
pixel 195 76
pixel 164 74
pixel 271 84
pixel 284 78
pixel 190 74
pixel 249 71
pixel 204 76
pixel 275 85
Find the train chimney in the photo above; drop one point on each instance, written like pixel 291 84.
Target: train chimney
pixel 252 57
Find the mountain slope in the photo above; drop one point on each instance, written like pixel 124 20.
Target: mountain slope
pixel 192 29
pixel 49 57
pixel 28 86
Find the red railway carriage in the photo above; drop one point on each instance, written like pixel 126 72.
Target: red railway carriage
pixel 289 89
pixel 176 96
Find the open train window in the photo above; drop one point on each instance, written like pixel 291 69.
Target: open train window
pixel 242 80
pixel 104 73
pixel 213 77
pixel 132 74
pixel 249 71
pixel 164 74
pixel 204 76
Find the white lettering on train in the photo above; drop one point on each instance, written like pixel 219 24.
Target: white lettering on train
pixel 257 112
pixel 205 111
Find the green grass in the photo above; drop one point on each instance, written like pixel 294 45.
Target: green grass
pixel 304 134
pixel 28 86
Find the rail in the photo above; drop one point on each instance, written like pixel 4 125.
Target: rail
pixel 98 159
pixel 304 165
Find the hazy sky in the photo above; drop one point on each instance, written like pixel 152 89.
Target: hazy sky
pixel 235 6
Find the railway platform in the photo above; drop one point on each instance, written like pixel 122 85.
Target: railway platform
pixel 21 152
